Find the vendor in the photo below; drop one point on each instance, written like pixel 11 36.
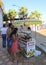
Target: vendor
pixel 29 29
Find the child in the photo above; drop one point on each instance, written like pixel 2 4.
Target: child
pixel 14 47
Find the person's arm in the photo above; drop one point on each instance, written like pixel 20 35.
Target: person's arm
pixel 8 31
pixel 0 32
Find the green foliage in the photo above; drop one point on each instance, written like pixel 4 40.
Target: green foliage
pixel 12 14
pixel 1 3
pixel 5 17
pixel 35 15
pixel 23 12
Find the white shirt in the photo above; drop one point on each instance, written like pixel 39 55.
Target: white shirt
pixel 3 30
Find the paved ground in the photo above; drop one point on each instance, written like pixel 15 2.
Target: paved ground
pixel 20 60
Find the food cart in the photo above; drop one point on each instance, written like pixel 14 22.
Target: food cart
pixel 26 43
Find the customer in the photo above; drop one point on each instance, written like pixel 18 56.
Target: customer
pixel 14 47
pixel 9 30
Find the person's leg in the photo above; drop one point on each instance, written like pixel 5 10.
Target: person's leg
pixel 4 40
pixel 13 56
pixel 8 47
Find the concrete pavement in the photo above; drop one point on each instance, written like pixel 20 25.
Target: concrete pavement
pixel 5 58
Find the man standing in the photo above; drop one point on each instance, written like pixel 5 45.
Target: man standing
pixel 3 33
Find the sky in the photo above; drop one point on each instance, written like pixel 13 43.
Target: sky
pixel 31 5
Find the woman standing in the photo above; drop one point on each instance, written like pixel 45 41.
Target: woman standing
pixel 14 47
pixel 8 37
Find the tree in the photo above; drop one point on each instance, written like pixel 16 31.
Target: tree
pixel 1 4
pixel 5 17
pixel 35 15
pixel 12 14
pixel 23 12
